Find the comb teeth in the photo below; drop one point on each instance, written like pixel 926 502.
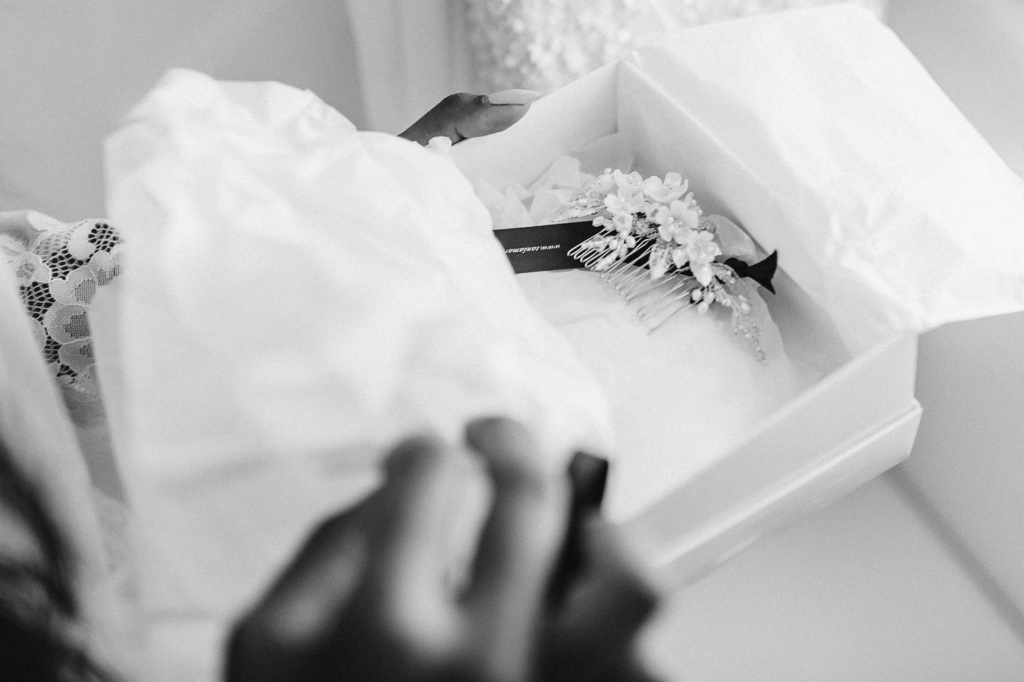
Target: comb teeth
pixel 655 300
pixel 672 295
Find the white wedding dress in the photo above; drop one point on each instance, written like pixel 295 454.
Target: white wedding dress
pixel 545 44
pixel 411 54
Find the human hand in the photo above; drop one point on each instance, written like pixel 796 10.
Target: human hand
pixel 463 115
pixel 368 597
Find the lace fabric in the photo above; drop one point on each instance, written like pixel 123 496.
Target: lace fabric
pixel 545 44
pixel 59 267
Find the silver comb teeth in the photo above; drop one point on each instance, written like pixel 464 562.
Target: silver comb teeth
pixel 625 267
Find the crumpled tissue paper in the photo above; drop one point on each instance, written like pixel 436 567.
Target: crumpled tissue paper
pixel 820 133
pixel 297 296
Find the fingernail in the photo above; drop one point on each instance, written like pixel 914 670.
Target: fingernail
pixel 412 452
pixel 499 437
pixel 517 97
pixel 589 476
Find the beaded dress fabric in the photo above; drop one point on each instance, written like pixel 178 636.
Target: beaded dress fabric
pixel 545 44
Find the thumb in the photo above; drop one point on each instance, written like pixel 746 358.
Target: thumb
pixel 465 115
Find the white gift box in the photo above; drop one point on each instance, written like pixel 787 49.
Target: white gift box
pixel 820 134
pixel 815 130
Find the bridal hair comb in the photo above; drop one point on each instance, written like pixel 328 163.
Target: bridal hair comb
pixel 661 254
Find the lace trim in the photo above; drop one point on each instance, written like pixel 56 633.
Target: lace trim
pixel 59 267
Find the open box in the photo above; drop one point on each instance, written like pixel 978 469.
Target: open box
pixel 685 105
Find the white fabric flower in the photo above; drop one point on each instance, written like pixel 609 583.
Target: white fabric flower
pixel 665 191
pixel 699 250
pixel 659 261
pixel 677 220
pixel 613 182
pixel 440 144
pixel 624 198
pixel 627 199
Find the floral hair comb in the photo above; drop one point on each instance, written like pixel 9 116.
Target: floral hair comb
pixel 662 255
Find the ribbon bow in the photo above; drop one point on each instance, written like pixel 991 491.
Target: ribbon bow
pixel 761 272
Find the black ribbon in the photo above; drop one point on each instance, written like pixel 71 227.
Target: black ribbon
pixel 761 272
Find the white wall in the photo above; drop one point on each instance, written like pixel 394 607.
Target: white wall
pixel 69 69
